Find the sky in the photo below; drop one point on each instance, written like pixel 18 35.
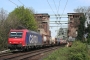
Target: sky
pixel 47 6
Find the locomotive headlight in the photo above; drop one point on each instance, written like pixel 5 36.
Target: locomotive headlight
pixel 23 45
pixel 10 42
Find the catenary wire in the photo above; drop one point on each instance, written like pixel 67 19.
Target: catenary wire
pixel 56 10
pixel 13 3
pixel 21 3
pixel 51 7
pixel 59 6
pixel 64 9
pixel 63 12
pixel 55 6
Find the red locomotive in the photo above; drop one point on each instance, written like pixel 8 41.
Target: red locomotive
pixel 24 39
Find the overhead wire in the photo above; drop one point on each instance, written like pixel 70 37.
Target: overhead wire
pixel 13 3
pixel 57 14
pixel 51 7
pixel 62 12
pixel 59 6
pixel 21 3
pixel 57 9
pixel 64 9
pixel 55 6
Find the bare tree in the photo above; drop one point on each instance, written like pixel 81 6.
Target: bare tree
pixel 3 14
pixel 83 9
pixel 86 11
pixel 3 35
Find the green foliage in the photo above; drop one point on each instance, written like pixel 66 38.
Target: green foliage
pixel 89 51
pixel 20 16
pixel 24 17
pixel 78 51
pixel 3 36
pixel 88 39
pixel 87 30
pixel 60 54
pixel 81 28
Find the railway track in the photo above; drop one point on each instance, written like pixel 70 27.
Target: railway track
pixel 5 54
pixel 27 55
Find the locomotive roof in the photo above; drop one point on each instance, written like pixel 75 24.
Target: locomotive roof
pixel 17 29
pixel 34 32
pixel 25 30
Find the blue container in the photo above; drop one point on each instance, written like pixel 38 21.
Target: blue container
pixel 33 38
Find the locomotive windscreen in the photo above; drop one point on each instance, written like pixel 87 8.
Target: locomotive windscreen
pixel 16 34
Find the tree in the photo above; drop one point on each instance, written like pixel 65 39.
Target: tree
pixel 88 39
pixel 86 11
pixel 19 17
pixel 24 17
pixel 81 28
pixel 87 30
pixel 3 38
pixel 3 14
pixel 82 9
pixel 60 33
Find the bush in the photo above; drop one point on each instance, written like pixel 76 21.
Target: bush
pixel 78 51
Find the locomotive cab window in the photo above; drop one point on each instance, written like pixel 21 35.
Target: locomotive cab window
pixel 16 34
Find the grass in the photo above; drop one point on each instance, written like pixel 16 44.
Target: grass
pixel 89 51
pixel 60 54
pixel 78 51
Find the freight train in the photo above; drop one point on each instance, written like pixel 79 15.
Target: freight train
pixel 24 39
